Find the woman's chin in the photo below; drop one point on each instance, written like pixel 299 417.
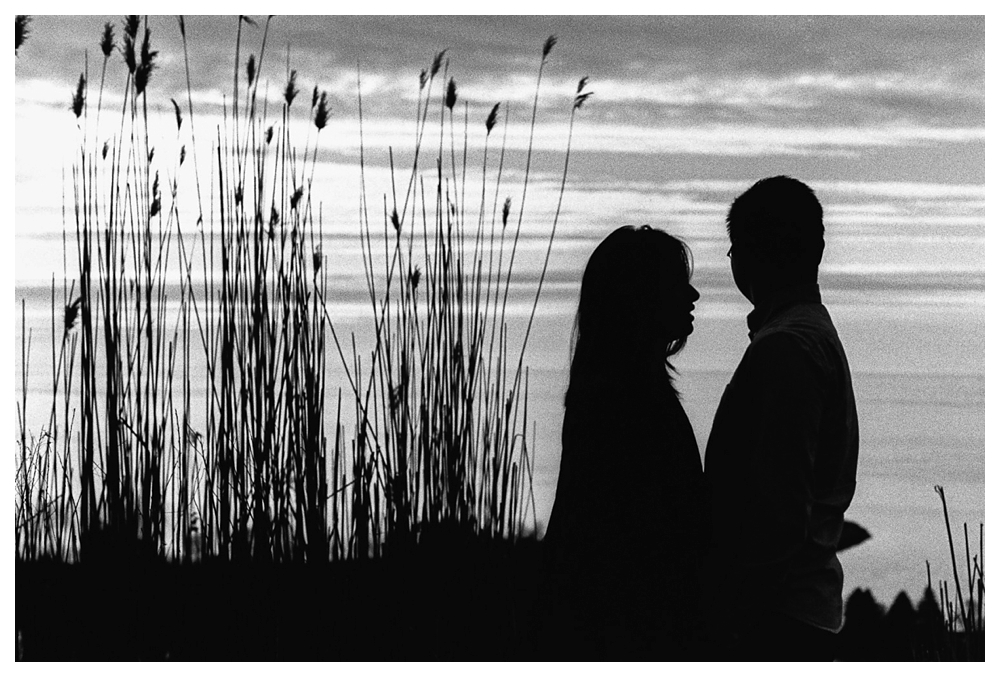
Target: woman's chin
pixel 682 325
pixel 682 331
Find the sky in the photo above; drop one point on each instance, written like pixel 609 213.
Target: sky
pixel 899 73
pixel 883 116
pixel 895 99
pixel 689 85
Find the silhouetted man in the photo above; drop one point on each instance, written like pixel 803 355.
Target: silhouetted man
pixel 782 456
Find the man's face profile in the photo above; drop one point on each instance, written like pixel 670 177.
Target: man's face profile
pixel 740 262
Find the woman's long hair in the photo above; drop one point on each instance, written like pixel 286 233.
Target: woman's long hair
pixel 619 328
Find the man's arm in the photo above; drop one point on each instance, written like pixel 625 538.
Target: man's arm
pixel 782 438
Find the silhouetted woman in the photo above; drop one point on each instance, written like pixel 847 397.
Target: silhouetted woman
pixel 624 537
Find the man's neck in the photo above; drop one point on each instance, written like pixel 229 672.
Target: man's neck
pixel 772 300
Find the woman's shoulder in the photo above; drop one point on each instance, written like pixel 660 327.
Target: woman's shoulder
pixel 626 415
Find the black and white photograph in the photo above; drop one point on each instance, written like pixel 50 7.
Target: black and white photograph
pixel 512 337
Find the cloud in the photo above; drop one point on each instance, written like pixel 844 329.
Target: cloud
pixel 904 189
pixel 736 139
pixel 907 189
pixel 811 71
pixel 792 90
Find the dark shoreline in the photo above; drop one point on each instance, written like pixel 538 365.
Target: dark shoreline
pixel 476 602
pixel 435 604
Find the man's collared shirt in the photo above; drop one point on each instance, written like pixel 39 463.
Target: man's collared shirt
pixel 782 461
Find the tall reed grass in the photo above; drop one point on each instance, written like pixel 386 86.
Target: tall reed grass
pixel 221 284
pixel 961 631
pixel 948 623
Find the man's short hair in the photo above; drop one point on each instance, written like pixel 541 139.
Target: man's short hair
pixel 782 218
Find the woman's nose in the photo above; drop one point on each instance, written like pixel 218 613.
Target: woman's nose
pixel 694 294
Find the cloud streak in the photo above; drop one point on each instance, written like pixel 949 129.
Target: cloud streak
pixel 815 70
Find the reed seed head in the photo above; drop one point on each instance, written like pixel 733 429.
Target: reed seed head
pixel 154 207
pixel 290 90
pixel 251 69
pixel 79 96
pixel 128 53
pixel 183 154
pixel 104 151
pixel 317 259
pixel 436 65
pixel 582 84
pixel 550 42
pixel 108 40
pixel 423 78
pixel 296 196
pixel 21 30
pixel 131 29
pixel 177 114
pixel 506 211
pixel 70 315
pixel 268 135
pixel 491 119
pixel 580 99
pixel 395 220
pixel 147 62
pixel 322 115
pixel 452 94
pixel 415 278
pixel 315 96
pixel 132 25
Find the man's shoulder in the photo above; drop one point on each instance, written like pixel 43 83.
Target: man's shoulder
pixel 801 324
pixel 775 340
pixel 776 352
pixel 803 333
pixel 803 315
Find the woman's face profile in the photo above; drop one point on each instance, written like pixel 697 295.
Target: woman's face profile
pixel 679 297
pixel 637 291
